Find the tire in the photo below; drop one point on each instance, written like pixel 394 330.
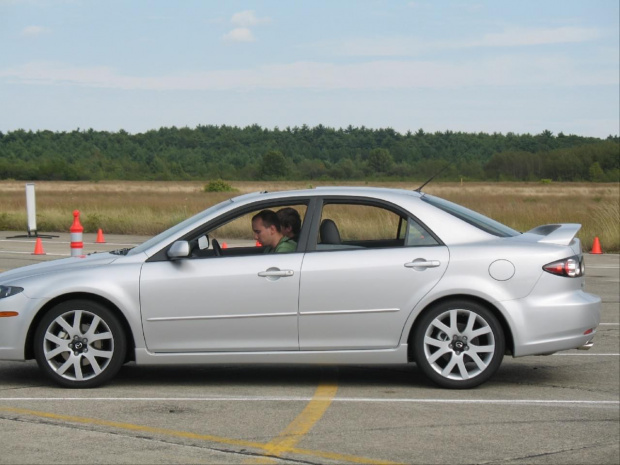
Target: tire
pixel 80 344
pixel 458 344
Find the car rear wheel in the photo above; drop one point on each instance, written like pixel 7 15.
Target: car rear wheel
pixel 458 344
pixel 80 344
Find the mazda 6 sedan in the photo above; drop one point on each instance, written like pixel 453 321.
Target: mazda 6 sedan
pixel 375 276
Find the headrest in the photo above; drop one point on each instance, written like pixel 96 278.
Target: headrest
pixel 328 232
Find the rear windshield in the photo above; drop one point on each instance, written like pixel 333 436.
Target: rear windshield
pixel 469 216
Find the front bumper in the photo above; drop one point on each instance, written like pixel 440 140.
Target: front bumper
pixel 14 330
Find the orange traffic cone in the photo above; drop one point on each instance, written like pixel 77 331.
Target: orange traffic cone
pixel 258 244
pixel 224 245
pixel 596 246
pixel 38 247
pixel 100 239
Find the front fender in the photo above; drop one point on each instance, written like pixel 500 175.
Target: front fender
pixel 117 283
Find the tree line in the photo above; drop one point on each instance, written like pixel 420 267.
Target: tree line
pixel 305 153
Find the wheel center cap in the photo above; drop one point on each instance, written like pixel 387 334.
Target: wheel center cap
pixel 78 346
pixel 459 344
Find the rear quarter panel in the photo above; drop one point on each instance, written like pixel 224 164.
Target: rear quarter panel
pixel 468 274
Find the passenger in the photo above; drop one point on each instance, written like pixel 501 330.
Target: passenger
pixel 266 227
pixel 290 223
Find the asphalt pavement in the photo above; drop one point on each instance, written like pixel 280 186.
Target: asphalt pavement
pixel 559 409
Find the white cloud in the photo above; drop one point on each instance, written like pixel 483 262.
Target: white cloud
pixel 518 37
pixel 509 38
pixel 247 18
pixel 244 20
pixel 509 70
pixel 34 31
pixel 239 34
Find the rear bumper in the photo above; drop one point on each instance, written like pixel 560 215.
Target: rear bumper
pixel 547 324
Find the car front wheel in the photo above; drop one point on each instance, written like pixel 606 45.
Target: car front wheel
pixel 458 344
pixel 80 344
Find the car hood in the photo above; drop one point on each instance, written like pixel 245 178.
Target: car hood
pixel 54 266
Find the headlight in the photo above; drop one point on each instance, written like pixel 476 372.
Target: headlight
pixel 8 291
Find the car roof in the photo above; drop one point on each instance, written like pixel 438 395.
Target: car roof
pixel 352 191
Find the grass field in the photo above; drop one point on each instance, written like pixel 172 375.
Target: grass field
pixel 149 207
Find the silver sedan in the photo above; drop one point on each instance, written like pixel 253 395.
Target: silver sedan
pixel 368 276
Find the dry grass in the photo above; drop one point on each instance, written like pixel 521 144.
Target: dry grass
pixel 150 207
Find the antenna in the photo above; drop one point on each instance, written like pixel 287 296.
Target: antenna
pixel 419 189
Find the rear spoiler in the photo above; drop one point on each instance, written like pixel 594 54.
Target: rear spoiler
pixel 561 234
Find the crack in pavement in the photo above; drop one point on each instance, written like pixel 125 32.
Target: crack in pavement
pixel 242 452
pixel 546 454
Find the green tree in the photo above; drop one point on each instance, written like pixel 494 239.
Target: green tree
pixel 273 165
pixel 380 161
pixel 231 152
pixel 596 172
pixel 311 169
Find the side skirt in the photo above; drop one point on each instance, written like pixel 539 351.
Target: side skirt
pixel 395 356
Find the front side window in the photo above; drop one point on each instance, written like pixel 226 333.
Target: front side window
pixel 246 234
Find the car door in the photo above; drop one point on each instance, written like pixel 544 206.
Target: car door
pixel 245 303
pixel 360 285
pixel 231 298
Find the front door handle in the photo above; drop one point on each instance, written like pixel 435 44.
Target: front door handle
pixel 421 264
pixel 275 273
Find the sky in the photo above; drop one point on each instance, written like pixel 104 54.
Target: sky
pixel 502 66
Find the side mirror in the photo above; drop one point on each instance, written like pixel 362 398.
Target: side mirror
pixel 179 249
pixel 203 242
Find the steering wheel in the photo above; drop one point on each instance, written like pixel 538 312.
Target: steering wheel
pixel 216 248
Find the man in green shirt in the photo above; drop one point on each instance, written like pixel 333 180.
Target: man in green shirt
pixel 266 227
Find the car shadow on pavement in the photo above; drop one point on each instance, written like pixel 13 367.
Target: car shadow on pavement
pixel 24 375
pixel 271 375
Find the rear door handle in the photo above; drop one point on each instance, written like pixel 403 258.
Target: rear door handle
pixel 422 264
pixel 275 273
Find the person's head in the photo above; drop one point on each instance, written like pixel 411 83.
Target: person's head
pixel 266 227
pixel 290 222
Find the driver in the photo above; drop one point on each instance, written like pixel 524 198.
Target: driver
pixel 266 228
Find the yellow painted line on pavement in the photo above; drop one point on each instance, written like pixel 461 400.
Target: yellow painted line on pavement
pixel 203 437
pixel 302 424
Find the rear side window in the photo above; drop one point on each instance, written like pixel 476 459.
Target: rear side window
pixel 417 236
pixel 361 226
pixel 363 222
pixel 469 216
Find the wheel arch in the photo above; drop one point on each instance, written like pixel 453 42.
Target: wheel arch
pixel 485 303
pixel 29 345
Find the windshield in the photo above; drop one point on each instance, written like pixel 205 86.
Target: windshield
pixel 175 229
pixel 469 216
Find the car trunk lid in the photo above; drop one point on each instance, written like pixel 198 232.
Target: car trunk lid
pixel 559 234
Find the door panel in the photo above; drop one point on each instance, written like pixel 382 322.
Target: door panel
pixel 361 299
pixel 221 303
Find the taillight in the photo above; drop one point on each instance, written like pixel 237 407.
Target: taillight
pixel 572 267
